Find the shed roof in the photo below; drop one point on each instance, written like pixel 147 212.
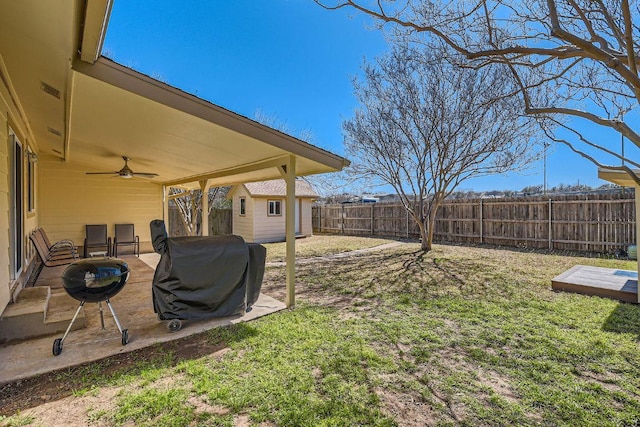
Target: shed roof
pixel 278 187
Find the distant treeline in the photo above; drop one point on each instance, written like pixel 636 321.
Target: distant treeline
pixel 528 191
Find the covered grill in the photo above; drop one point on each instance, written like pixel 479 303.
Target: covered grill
pixel 202 277
pixel 94 280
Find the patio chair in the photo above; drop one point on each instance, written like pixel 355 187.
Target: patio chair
pixel 96 238
pixel 62 246
pixel 126 236
pixel 52 258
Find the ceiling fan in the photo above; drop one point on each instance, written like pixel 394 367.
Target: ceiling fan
pixel 125 172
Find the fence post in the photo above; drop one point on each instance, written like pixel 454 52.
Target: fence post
pixel 481 209
pixel 550 227
pixel 319 219
pixel 342 218
pixel 407 211
pixel 372 219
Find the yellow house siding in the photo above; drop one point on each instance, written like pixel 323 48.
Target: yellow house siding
pixel 30 223
pixel 243 224
pixel 31 219
pixel 11 118
pixel 69 199
pixel 268 228
pixel 5 281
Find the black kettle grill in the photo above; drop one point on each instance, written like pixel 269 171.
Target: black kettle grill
pixel 94 280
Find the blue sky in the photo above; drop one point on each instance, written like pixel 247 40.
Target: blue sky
pixel 286 59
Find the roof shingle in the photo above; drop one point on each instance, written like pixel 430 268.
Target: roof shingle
pixel 278 187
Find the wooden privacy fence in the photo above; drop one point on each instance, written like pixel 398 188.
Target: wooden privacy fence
pixel 590 223
pixel 220 222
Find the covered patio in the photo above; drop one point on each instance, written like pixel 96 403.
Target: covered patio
pixel 134 308
pixel 66 111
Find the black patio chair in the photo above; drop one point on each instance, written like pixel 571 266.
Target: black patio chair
pixel 96 238
pixel 126 236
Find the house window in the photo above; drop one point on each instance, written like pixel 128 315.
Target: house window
pixel 274 208
pixel 243 206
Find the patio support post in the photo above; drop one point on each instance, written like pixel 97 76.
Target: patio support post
pixel 288 172
pixel 204 227
pixel 637 190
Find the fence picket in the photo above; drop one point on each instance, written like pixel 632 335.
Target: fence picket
pixel 597 222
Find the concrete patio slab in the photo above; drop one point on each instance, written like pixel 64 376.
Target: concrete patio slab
pixel 134 308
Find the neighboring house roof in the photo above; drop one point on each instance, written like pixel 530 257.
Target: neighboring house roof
pixel 278 188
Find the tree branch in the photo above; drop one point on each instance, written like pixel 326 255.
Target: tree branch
pixel 593 160
pixel 618 125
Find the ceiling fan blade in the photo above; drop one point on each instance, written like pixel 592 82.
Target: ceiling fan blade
pixel 126 172
pixel 145 174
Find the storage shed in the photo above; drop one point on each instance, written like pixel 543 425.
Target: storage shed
pixel 259 210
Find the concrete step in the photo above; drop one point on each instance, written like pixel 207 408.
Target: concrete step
pixel 39 312
pixel 61 310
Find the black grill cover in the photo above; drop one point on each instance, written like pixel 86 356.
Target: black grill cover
pixel 202 277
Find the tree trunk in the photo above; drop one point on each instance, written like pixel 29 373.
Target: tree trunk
pixel 426 237
pixel 428 240
pixel 426 226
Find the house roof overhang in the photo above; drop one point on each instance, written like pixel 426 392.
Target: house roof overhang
pixel 73 105
pixel 618 177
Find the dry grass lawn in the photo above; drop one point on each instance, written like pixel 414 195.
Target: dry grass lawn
pixel 459 336
pixel 320 245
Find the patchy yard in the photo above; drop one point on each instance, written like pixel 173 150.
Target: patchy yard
pixel 320 245
pixel 458 336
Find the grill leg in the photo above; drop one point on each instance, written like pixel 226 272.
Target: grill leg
pixel 101 314
pixel 123 332
pixel 75 316
pixel 114 315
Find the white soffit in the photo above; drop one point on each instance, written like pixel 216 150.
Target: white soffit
pixel 38 40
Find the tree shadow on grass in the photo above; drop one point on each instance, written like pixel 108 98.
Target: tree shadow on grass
pixel 390 274
pixel 625 318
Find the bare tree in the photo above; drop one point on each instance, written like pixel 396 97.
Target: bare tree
pixel 189 204
pixel 425 126
pixel 573 62
pixel 325 184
